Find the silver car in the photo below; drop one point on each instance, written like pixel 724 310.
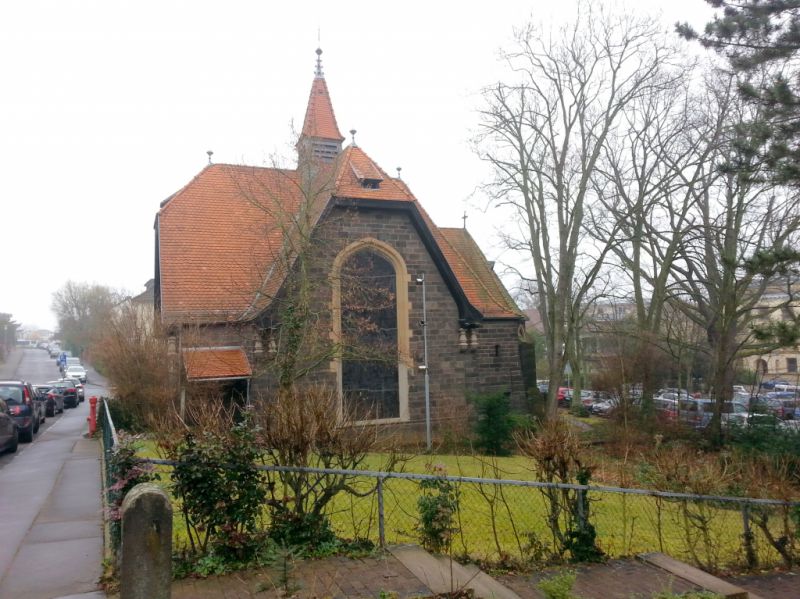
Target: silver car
pixel 75 371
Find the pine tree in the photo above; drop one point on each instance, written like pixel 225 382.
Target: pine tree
pixel 761 39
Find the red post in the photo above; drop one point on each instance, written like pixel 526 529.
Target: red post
pixel 92 414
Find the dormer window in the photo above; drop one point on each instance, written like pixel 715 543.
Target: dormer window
pixel 371 183
pixel 367 174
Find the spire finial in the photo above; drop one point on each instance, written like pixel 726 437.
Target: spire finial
pixel 318 70
pixel 399 168
pixel 210 154
pixel 353 135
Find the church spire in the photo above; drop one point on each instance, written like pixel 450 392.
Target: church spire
pixel 320 131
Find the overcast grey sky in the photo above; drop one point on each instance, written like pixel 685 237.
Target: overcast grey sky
pixel 108 107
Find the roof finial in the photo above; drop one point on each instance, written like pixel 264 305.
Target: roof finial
pixel 353 135
pixel 210 154
pixel 318 70
pixel 399 168
pixel 464 218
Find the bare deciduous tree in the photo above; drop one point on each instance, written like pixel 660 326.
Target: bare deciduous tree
pixel 83 310
pixel 736 214
pixel 544 136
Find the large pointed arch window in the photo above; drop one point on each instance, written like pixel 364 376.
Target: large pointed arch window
pixel 370 381
pixel 370 284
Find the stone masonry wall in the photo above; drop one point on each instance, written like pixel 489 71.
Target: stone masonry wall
pixel 492 366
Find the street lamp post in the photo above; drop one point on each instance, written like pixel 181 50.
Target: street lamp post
pixel 424 367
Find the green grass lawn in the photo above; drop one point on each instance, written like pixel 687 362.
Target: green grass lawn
pixel 496 521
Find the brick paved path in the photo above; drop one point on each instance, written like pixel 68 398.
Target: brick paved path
pixel 335 577
pixel 778 585
pixel 343 577
pixel 616 579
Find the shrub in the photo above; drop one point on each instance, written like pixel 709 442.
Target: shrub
pixel 578 409
pixel 133 356
pixel 437 507
pixel 495 424
pixel 767 440
pixel 557 453
pixel 220 491
pixel 126 472
pixel 304 427
pixel 125 416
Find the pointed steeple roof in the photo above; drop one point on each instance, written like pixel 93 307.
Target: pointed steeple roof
pixel 320 121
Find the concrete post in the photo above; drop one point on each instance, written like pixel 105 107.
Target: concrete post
pixel 146 553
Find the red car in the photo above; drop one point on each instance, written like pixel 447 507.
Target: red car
pixel 564 396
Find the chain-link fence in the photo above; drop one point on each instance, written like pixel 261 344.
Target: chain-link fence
pixel 529 522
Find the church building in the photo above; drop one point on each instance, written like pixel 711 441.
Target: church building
pixel 331 273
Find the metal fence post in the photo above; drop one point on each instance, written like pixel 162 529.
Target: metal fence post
pixel 581 509
pixel 381 523
pixel 748 537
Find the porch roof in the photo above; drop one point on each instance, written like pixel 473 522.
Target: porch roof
pixel 214 363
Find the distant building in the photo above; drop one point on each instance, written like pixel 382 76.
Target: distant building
pixel 603 324
pixel 781 364
pixel 144 305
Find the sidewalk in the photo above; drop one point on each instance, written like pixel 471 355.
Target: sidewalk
pixel 51 515
pixel 9 367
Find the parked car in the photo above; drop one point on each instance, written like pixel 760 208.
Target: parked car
pixel 75 371
pixel 9 433
pixel 775 384
pixel 761 404
pixel 564 396
pixel 589 398
pixel 764 421
pixel 67 388
pixel 666 407
pixel 41 404
pixel 674 391
pixel 695 412
pixel 603 407
pixel 789 403
pixel 734 412
pixel 79 388
pixel 699 412
pixel 605 403
pixel 53 398
pixel 23 407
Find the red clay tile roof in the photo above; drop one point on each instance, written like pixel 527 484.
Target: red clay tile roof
pixel 218 238
pixel 480 283
pixel 216 363
pixel 320 120
pixel 353 165
pixel 221 240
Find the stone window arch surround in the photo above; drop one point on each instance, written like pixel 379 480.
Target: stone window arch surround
pixel 402 281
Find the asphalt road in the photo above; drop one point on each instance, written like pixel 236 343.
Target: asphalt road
pixel 37 367
pixel 51 535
